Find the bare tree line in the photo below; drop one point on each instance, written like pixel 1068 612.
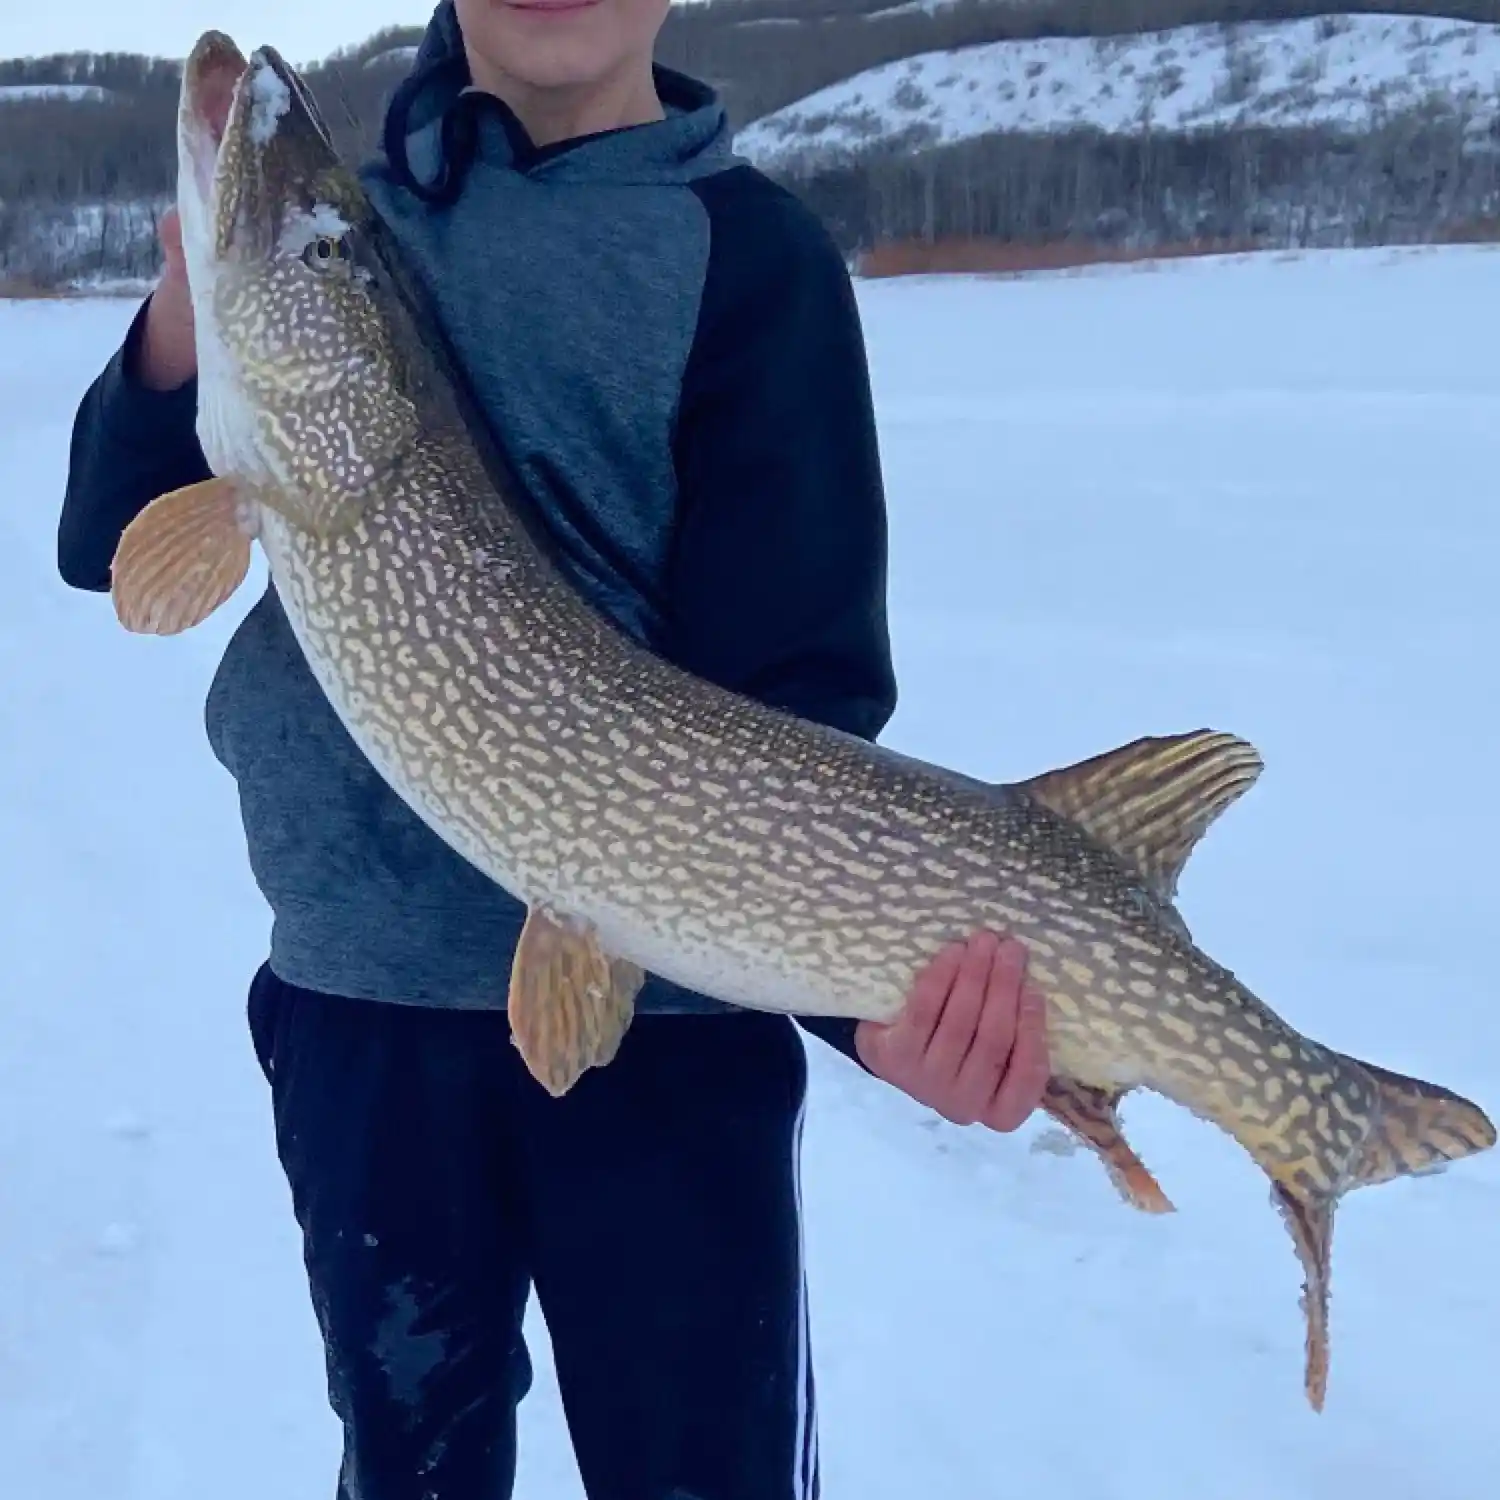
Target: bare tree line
pixel 83 182
pixel 55 149
pixel 1418 176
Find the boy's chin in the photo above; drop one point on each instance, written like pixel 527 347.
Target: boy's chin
pixel 562 62
pixel 560 67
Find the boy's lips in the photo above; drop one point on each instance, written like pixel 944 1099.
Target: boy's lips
pixel 550 7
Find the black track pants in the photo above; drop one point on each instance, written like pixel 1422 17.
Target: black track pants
pixel 654 1209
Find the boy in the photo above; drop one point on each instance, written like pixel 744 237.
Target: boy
pixel 669 349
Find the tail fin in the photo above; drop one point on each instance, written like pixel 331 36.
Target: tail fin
pixel 1420 1128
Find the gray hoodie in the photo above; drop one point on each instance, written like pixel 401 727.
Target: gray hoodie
pixel 667 347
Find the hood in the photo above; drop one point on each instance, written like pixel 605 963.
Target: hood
pixel 439 124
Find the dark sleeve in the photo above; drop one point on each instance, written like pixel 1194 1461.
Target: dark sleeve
pixel 130 444
pixel 776 586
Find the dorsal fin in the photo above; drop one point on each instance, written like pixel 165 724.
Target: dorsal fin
pixel 1151 801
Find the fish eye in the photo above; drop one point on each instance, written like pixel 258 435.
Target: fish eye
pixel 325 251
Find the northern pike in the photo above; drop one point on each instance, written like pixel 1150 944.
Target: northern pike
pixel 651 821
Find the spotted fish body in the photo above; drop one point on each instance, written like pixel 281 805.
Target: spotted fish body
pixel 681 829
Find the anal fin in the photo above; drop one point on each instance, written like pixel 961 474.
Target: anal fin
pixel 570 1003
pixel 1091 1114
pixel 182 557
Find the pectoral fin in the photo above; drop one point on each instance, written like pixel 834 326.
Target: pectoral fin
pixel 180 559
pixel 570 1003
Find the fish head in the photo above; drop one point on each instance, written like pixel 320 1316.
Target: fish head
pixel 302 390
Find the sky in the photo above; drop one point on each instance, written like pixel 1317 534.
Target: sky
pixel 170 27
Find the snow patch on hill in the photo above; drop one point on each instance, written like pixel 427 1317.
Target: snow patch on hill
pixel 393 57
pixel 73 93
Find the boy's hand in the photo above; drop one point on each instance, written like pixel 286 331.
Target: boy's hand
pixel 168 352
pixel 972 1041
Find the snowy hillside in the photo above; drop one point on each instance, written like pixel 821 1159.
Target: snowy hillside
pixel 73 93
pixel 933 7
pixel 1344 70
pixel 83 243
pixel 392 57
pixel 1258 495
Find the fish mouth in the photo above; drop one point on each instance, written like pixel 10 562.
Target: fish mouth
pixel 210 78
pixel 253 149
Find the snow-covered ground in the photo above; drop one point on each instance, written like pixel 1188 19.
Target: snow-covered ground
pixel 1258 495
pixel 1347 70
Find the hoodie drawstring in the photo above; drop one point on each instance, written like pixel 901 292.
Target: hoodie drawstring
pixel 459 132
